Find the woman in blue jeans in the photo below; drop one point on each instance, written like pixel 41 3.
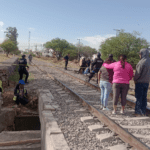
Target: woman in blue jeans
pixel 106 82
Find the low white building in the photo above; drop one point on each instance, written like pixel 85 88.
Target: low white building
pixel 47 52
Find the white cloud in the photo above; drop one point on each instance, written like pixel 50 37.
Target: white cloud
pixel 1 23
pixel 95 41
pixel 32 29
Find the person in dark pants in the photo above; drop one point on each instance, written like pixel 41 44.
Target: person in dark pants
pixel 20 94
pixel 83 66
pixel 22 68
pixel 88 62
pixel 95 66
pixel 30 58
pixel 123 73
pixel 141 79
pixel 66 58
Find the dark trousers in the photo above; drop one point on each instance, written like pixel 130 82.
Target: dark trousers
pixel 92 74
pixel 23 100
pixel 23 71
pixel 66 63
pixel 120 88
pixel 82 68
pixel 141 97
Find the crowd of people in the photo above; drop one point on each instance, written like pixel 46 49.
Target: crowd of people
pixel 20 93
pixel 115 76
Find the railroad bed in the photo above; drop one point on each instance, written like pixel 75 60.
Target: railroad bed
pixel 139 127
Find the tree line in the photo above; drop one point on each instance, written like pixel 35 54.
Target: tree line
pixel 125 43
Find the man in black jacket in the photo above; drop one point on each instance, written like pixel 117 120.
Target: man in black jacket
pixel 66 58
pixel 95 66
pixel 22 68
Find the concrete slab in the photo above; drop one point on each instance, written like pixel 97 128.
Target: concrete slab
pixel 63 95
pixel 50 95
pixel 36 146
pixel 55 106
pixel 87 119
pixel 118 147
pixel 58 142
pixel 138 118
pixel 136 127
pixel 80 111
pixel 61 92
pixel 17 135
pixel 105 137
pixel 49 107
pixel 115 118
pixel 69 101
pixel 142 136
pixel 59 89
pixel 52 127
pixel 96 128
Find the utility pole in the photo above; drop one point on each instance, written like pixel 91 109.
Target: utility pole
pixel 78 49
pixel 29 41
pixel 117 30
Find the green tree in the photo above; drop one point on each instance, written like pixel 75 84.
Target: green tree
pixel 125 43
pixel 61 46
pixel 58 45
pixel 87 51
pixel 11 33
pixel 8 47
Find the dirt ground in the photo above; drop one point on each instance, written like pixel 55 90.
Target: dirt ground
pixel 3 57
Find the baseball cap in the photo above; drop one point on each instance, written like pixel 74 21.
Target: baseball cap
pixel 110 55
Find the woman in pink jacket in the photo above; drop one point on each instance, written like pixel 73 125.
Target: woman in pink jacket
pixel 123 73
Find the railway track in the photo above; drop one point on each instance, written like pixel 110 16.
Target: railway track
pixel 129 129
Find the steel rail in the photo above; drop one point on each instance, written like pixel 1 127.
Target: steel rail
pixel 122 133
pixel 128 101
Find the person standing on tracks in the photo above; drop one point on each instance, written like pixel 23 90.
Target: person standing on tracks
pixel 83 65
pixel 123 73
pixel 106 76
pixel 66 58
pixel 22 68
pixel 95 66
pixel 141 79
pixel 30 58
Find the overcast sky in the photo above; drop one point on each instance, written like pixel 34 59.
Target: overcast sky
pixel 90 20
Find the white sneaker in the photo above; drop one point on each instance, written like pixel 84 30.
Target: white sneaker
pixel 101 107
pixel 114 112
pixel 122 112
pixel 106 108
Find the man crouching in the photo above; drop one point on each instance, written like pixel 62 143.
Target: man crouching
pixel 20 94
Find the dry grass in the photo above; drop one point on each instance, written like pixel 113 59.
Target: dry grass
pixel 59 63
pixel 3 57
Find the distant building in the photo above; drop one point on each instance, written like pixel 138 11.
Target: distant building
pixel 48 52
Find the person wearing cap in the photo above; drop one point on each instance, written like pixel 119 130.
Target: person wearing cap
pixel 141 79
pixel 20 94
pixel 95 66
pixel 22 68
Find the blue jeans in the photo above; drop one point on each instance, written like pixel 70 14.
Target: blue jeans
pixel 106 88
pixel 141 97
